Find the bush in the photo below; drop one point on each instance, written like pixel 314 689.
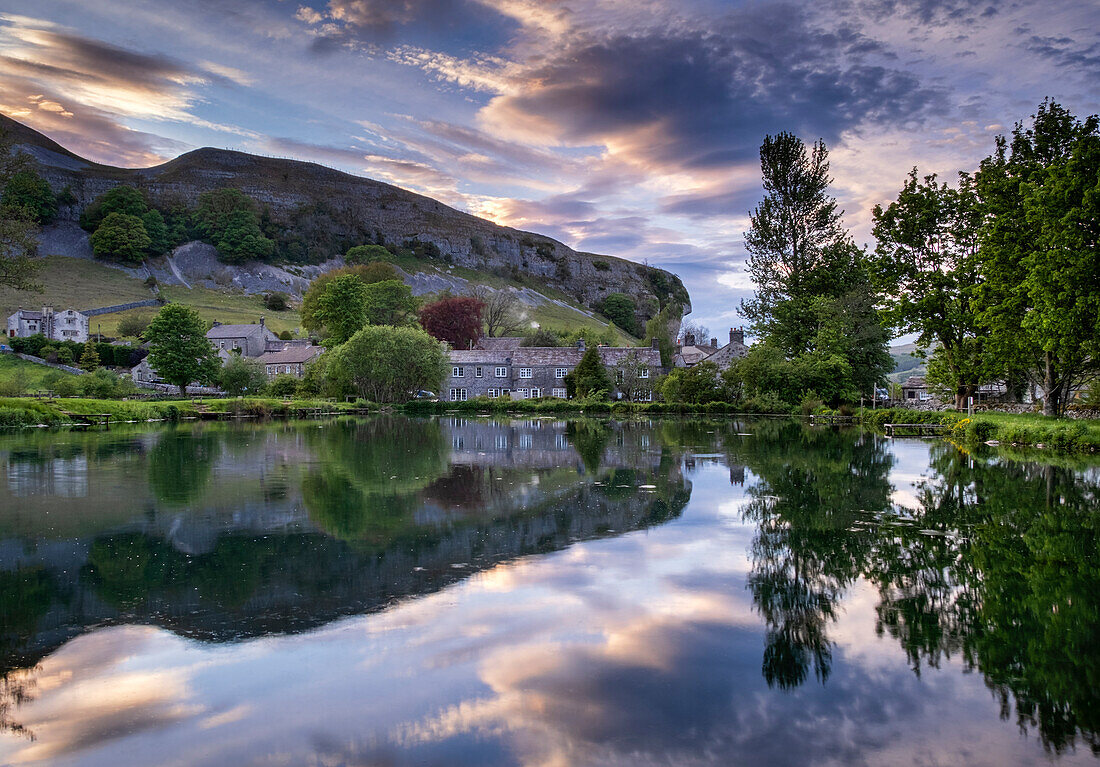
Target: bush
pixel 602 266
pixel 133 325
pixel 277 301
pixel 283 385
pixel 811 403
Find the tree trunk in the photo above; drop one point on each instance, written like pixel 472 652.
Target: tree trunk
pixel 1052 391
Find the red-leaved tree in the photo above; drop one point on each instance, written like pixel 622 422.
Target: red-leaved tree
pixel 454 320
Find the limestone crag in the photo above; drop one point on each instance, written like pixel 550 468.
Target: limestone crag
pixel 305 198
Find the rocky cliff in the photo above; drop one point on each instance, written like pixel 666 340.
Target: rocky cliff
pixel 326 210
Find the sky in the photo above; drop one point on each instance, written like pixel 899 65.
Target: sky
pixel 625 127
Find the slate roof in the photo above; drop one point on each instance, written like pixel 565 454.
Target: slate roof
pixel 915 382
pixel 236 331
pixel 290 355
pixel 552 356
pixel 28 314
pixel 728 353
pixel 500 343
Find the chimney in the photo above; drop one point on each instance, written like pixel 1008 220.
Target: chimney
pixel 714 342
pixel 216 323
pixel 737 336
pixel 580 344
pixel 689 339
pixel 261 320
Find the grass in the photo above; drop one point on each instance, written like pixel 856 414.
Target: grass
pixel 28 374
pixel 83 284
pixel 25 411
pixel 1029 429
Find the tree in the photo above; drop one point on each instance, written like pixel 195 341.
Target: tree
pixel 284 385
pixel 362 254
pixel 454 320
pixel 589 378
pixel 390 302
pixel 133 325
pixel 89 360
pixel 502 315
pixel 336 306
pixel 228 220
pixel 157 230
pixel 121 237
pixel 18 231
pixel 29 191
pixel 178 348
pixel 691 328
pixel 620 308
pixel 242 375
pixel 813 295
pixel 541 337
pixel 121 199
pixel 927 271
pixel 628 378
pixel 696 384
pixel 1040 301
pixel 388 364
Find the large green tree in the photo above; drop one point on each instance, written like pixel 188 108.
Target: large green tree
pixel 813 296
pixel 242 375
pixel 589 378
pixel 178 348
pixel 336 307
pixel 26 189
pixel 1039 301
pixel 389 302
pixel 121 237
pixel 228 220
pixel 388 364
pixel 927 271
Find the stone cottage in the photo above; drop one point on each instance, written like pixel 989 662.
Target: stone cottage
pixel 252 339
pixel 67 325
pixel 290 360
pixel 528 372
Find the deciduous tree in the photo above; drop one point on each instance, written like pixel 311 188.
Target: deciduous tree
pixel 178 348
pixel 121 237
pixel 454 320
pixel 389 302
pixel 388 364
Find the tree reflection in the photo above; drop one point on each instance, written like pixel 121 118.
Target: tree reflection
pixel 814 487
pixel 181 462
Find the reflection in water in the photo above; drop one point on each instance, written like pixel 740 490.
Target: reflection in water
pixel 544 632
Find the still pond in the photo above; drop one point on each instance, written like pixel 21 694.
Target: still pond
pixel 462 591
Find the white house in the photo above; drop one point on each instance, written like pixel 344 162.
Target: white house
pixel 68 325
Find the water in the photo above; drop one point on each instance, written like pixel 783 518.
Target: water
pixel 542 592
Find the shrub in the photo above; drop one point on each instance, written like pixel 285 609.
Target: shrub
pixel 810 403
pixel 277 301
pixel 283 385
pixel 602 266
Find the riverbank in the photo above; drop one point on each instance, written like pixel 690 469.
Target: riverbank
pixel 29 411
pixel 1027 430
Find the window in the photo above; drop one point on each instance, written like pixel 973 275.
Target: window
pixel 618 376
pixel 525 441
pixel 643 395
pixel 525 372
pixel 288 369
pixel 562 393
pixel 910 394
pixel 502 442
pixel 536 393
pixel 477 372
pixel 643 373
pixel 521 393
pixel 458 395
pixel 493 393
pixel 458 371
pixel 502 372
pixel 561 372
pixel 457 442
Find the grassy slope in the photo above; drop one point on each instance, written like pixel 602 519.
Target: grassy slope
pixel 11 367
pixel 84 284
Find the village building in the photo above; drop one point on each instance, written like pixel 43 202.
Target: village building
pixel 692 353
pixel 290 360
pixel 145 373
pixel 251 340
pixel 915 389
pixel 67 325
pixel 528 372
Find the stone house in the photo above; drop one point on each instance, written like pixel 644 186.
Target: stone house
pixel 914 390
pixel 692 353
pixel 144 373
pixel 528 372
pixel 252 340
pixel 290 360
pixel 68 325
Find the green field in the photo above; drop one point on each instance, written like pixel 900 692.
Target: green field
pixel 27 375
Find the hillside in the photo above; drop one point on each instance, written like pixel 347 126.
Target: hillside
pixel 906 363
pixel 320 212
